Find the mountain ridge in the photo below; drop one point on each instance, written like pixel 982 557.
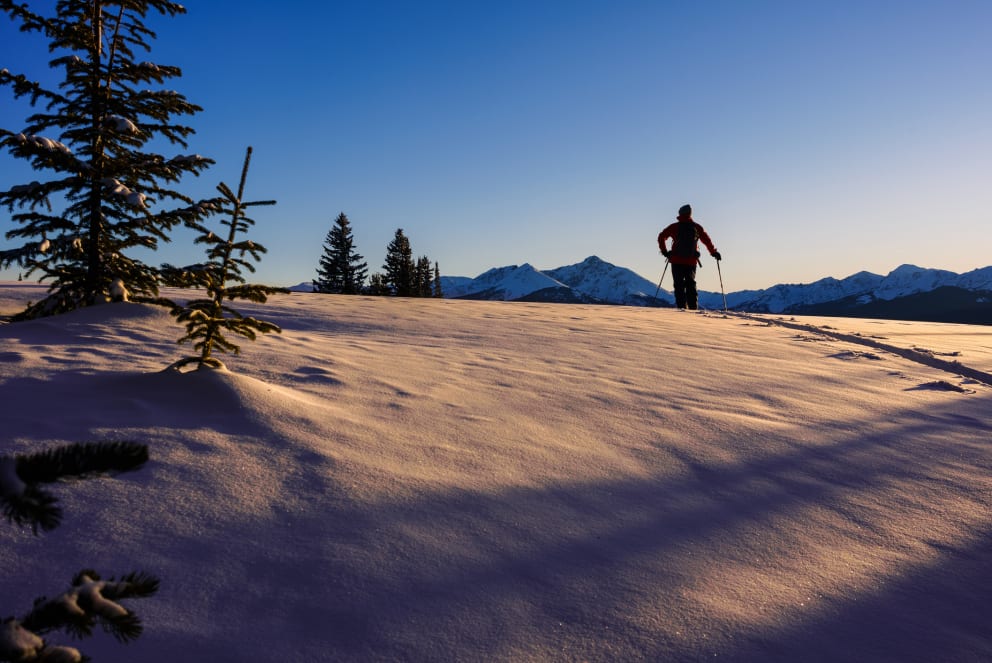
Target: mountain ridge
pixel 899 293
pixel 908 292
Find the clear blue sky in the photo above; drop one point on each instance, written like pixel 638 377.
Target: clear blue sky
pixel 813 138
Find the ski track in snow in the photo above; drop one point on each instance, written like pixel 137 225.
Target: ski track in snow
pixel 917 355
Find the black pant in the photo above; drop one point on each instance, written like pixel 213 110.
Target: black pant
pixel 685 286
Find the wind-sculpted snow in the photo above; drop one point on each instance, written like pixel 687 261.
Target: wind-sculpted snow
pixel 434 480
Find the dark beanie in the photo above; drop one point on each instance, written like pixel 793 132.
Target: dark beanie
pixel 685 210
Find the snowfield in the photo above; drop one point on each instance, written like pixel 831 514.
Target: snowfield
pixel 443 480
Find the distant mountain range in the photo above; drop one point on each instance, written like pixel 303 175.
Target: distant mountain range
pixel 907 293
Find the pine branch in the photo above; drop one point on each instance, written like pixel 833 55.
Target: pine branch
pixel 89 602
pixel 32 507
pixel 26 504
pixel 21 645
pixel 78 460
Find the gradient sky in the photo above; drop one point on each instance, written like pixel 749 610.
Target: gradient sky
pixel 813 138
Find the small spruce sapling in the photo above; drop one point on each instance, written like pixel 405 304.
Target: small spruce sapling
pixel 208 319
pixel 90 600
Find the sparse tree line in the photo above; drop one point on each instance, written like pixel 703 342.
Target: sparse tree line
pixel 342 270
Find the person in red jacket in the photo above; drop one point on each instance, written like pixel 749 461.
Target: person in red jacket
pixel 684 255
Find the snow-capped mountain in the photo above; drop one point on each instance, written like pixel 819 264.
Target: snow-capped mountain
pixel 592 280
pixel 856 290
pixel 500 283
pixel 784 297
pixel 604 282
pixel 898 294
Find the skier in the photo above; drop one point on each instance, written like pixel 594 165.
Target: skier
pixel 684 255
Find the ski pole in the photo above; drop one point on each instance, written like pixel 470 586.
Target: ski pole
pixel 658 289
pixel 721 286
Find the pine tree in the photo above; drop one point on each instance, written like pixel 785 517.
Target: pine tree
pixel 89 141
pixel 90 600
pixel 400 271
pixel 208 319
pixel 437 281
pixel 377 285
pixel 423 277
pixel 341 269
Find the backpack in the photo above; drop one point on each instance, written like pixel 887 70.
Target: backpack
pixel 684 243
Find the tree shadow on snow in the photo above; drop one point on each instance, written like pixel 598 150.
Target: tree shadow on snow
pixel 612 570
pixel 615 570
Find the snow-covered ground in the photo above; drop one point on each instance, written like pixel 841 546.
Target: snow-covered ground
pixel 438 480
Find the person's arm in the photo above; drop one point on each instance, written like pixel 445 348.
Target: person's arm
pixel 708 242
pixel 663 236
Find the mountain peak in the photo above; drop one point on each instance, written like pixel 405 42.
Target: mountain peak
pixel 907 268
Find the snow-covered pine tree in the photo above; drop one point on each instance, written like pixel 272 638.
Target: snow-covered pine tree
pixel 342 270
pixel 400 270
pixel 209 318
pixel 437 281
pixel 104 193
pixel 90 600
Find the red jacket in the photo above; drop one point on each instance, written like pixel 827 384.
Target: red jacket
pixel 672 232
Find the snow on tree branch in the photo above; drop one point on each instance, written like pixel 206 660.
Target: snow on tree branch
pixel 92 141
pixel 90 600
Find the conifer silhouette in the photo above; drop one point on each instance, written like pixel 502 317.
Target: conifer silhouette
pixel 377 285
pixel 90 142
pixel 400 270
pixel 342 270
pixel 209 319
pixel 438 292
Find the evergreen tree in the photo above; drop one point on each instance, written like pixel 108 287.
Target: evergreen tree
pixel 423 278
pixel 207 319
pixel 341 269
pixel 377 285
pixel 91 140
pixel 90 600
pixel 437 281
pixel 400 271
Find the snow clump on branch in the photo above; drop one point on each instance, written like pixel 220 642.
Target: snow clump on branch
pixel 41 141
pixel 133 198
pixel 19 644
pixel 122 124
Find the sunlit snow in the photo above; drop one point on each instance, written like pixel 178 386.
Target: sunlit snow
pixel 435 480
